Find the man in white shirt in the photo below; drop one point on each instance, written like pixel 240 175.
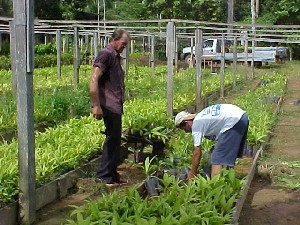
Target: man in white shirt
pixel 224 123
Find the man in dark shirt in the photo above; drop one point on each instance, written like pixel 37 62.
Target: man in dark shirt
pixel 107 95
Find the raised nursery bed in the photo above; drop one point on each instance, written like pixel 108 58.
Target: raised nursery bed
pixel 59 187
pixel 56 189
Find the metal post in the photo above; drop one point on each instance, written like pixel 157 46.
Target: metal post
pixel 58 52
pixel 76 59
pixel 199 53
pixel 222 71
pixel 24 46
pixel 170 60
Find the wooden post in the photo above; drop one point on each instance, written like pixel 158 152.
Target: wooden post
pixel 198 56
pixel 222 70
pixel 132 42
pixel 291 53
pixel 13 56
pixel 95 44
pixel 24 47
pixel 91 49
pixel 67 43
pixel 143 46
pixel 81 42
pixel 58 52
pixel 125 57
pixel 191 64
pixel 63 44
pixel 176 53
pixel 0 41
pixel 253 15
pixel 102 41
pixel 234 60
pixel 246 56
pixel 86 48
pixel 170 60
pixel 76 59
pixel 152 56
pixel 230 10
pixel 256 8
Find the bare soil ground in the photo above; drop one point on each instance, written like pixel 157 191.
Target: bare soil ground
pixel 86 189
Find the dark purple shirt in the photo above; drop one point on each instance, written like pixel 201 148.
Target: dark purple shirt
pixel 111 83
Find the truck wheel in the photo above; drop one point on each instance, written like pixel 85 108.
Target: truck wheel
pixel 188 59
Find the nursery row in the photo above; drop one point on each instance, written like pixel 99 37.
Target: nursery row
pixel 202 201
pixel 55 100
pixel 145 116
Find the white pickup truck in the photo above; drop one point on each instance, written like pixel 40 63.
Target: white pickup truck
pixel 212 49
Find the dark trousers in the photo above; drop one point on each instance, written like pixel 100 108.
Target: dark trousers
pixel 110 158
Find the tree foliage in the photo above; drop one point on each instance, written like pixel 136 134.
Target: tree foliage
pixel 271 12
pixel 210 10
pixel 49 9
pixel 6 8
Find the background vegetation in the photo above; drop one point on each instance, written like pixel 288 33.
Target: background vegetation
pixel 283 12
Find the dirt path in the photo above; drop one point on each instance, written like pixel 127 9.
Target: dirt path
pixel 268 200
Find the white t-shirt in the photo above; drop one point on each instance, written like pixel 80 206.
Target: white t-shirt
pixel 214 120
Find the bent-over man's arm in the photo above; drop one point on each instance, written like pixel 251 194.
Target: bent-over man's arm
pixel 195 162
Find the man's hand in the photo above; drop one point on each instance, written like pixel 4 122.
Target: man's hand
pixel 190 176
pixel 195 162
pixel 97 112
pixel 94 90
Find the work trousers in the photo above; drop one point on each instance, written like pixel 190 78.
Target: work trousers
pixel 110 158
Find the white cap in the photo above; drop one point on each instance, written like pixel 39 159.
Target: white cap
pixel 182 116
